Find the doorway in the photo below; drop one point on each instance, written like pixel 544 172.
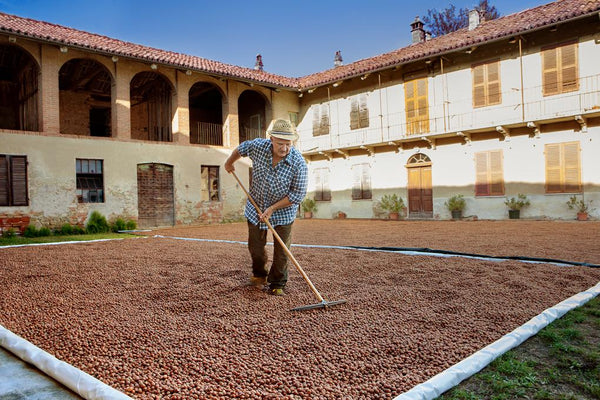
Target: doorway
pixel 420 190
pixel 155 195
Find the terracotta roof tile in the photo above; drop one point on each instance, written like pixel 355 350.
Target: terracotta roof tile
pixel 487 31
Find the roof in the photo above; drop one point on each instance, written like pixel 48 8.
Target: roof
pixel 488 31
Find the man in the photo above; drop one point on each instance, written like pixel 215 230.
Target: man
pixel 279 181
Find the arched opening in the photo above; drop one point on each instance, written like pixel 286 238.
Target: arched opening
pixel 206 114
pixel 18 89
pixel 151 113
pixel 420 189
pixel 252 115
pixel 85 98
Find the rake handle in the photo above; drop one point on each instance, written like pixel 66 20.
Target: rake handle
pixel 281 242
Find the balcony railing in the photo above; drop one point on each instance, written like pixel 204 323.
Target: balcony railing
pixel 206 133
pixel 459 116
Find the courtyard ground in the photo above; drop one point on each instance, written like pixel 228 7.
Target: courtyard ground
pixel 159 317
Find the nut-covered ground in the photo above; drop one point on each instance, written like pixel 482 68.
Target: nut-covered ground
pixel 159 317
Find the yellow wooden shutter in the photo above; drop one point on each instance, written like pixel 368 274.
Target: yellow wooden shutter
pixel 479 86
pixel 553 181
pixel 316 123
pixel 363 112
pixel 550 71
pixel 410 106
pixel 422 105
pixel 417 106
pixel 324 119
pixel 481 175
pixel 496 173
pixel 493 83
pixel 572 173
pixel 568 68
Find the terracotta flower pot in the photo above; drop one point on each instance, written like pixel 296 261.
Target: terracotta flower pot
pixel 394 216
pixel 582 216
pixel 308 214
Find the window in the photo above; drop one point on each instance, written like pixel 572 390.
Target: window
pixel 321 120
pixel 293 117
pixel 489 177
pixel 90 181
pixel 417 106
pixel 359 113
pixel 563 171
pixel 210 183
pixel 361 188
pixel 322 190
pixel 559 69
pixel 486 84
pixel 13 180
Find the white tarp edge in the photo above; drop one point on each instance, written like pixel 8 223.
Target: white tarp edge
pixel 452 376
pixel 78 381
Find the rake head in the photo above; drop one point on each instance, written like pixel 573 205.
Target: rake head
pixel 323 304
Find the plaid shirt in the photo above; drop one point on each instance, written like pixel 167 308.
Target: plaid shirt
pixel 271 184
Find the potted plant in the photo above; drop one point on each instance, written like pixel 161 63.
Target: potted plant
pixel 308 207
pixel 515 204
pixel 393 204
pixel 456 204
pixel 582 207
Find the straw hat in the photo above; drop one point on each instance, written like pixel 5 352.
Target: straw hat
pixel 282 129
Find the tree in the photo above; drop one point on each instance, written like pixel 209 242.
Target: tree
pixel 449 19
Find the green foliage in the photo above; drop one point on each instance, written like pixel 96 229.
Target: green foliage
pixel 456 203
pixel 392 203
pixel 66 229
pixel 118 225
pixel 516 203
pixel 97 223
pixel 309 205
pixel 8 233
pixel 131 225
pixel 580 205
pixel 30 231
pixel 44 231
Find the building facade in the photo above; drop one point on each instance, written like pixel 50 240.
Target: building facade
pixel 503 107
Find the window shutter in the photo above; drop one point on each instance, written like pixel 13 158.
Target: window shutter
pixel 356 180
pixel 324 119
pixel 572 175
pixel 479 86
pixel 553 181
pixel 496 173
pixel 481 175
pixel 550 71
pixel 316 122
pixel 363 112
pixel 3 180
pixel 366 182
pixel 410 106
pixel 493 83
pixel 423 105
pixel 354 114
pixel 568 61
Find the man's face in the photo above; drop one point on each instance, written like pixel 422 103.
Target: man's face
pixel 281 147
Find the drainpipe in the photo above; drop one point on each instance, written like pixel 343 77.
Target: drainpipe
pixel 329 112
pixel 380 108
pixel 522 90
pixel 444 90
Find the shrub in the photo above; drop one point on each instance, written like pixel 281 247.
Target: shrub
pixel 516 203
pixel 44 231
pixel 97 223
pixel 131 225
pixel 456 203
pixel 66 229
pixel 78 230
pixel 309 205
pixel 118 225
pixel 392 203
pixel 31 231
pixel 8 233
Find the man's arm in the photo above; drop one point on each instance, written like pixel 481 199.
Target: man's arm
pixel 235 155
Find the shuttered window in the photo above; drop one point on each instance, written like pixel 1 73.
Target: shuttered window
pixel 560 70
pixel 489 175
pixel 209 183
pixel 359 112
pixel 90 180
pixel 361 187
pixel 322 190
pixel 13 180
pixel 417 106
pixel 321 120
pixel 563 168
pixel 486 84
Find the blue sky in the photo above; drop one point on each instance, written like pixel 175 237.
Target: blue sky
pixel 294 37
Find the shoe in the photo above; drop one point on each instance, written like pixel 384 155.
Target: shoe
pixel 258 281
pixel 276 292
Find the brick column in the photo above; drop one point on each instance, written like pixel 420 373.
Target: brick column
pixel 49 92
pixel 121 103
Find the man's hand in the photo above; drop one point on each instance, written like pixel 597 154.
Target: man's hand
pixel 266 214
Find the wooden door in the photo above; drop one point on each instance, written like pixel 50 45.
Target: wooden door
pixel 155 195
pixel 420 190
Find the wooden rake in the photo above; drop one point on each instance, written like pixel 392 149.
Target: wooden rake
pixel 322 302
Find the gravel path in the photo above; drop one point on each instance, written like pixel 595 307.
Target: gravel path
pixel 165 318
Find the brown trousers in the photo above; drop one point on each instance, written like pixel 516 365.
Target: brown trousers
pixel 277 275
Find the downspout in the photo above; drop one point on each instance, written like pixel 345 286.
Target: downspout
pixel 522 90
pixel 329 111
pixel 380 107
pixel 444 89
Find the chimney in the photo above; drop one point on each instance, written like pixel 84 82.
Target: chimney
pixel 258 65
pixel 337 61
pixel 473 19
pixel 417 31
